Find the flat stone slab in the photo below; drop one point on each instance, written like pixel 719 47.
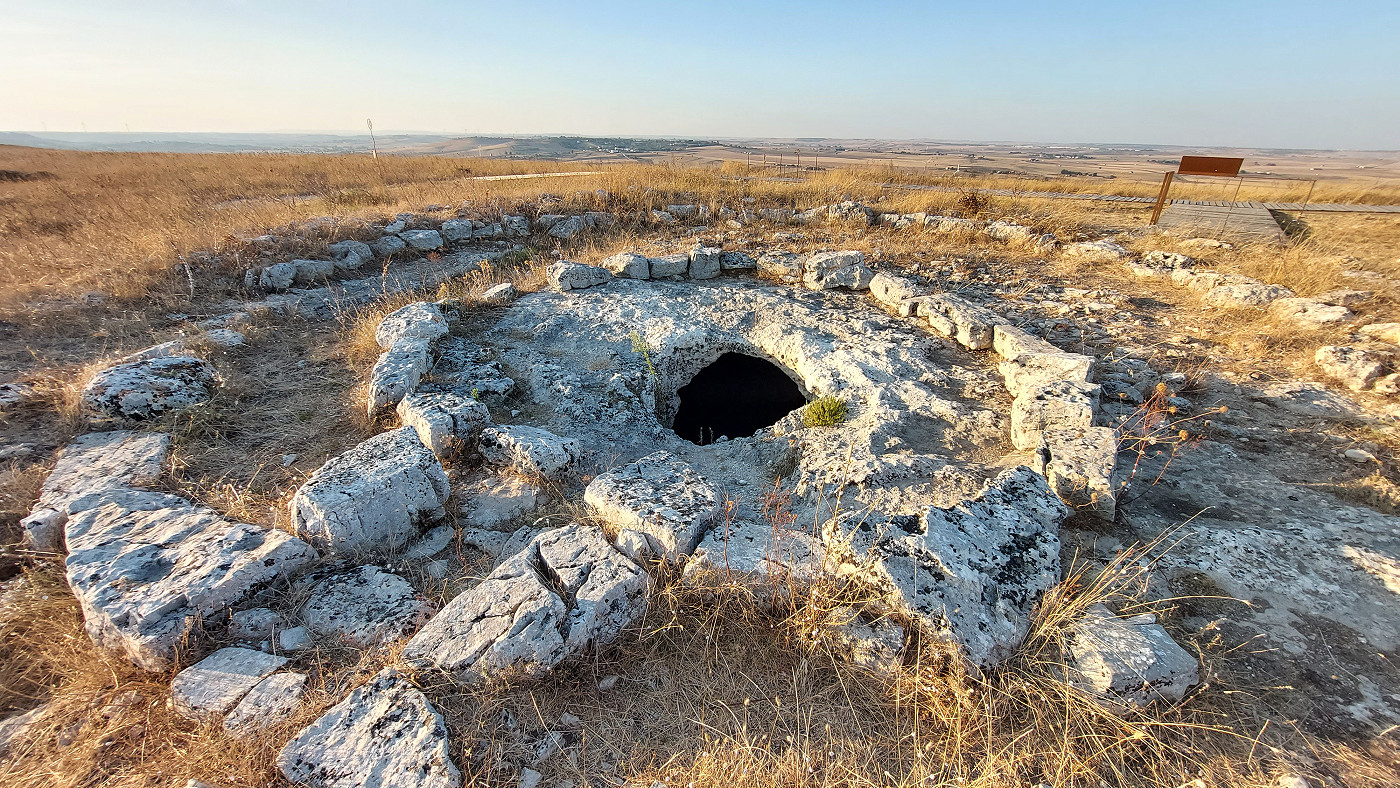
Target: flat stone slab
pixel 1131 659
pixel 397 372
pixel 497 501
pixel 376 496
pixel 530 450
pixel 365 606
pixel 270 702
pixel 566 276
pixel 1061 403
pixel 142 390
pixel 972 573
pixel 566 592
pixel 147 567
pixel 383 735
pixel 446 422
pixel 771 563
pixel 1080 464
pixel 214 685
pixel 970 325
pixel 659 496
pixel 419 320
pixel 1030 370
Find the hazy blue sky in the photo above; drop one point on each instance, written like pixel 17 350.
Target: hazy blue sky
pixel 1280 74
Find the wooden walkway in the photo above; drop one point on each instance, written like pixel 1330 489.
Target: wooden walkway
pixel 1268 206
pixel 1239 221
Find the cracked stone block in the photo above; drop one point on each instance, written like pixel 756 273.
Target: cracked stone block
pixel 897 292
pixel 669 265
pixel 92 463
pixel 142 390
pixel 785 267
pixel 1029 371
pixel 498 501
pixel 1095 251
pixel 1309 313
pixel 530 450
pixel 628 265
pixel 365 607
pixel 1060 403
pixel 420 320
pixel 215 684
pixel 971 573
pixel 971 325
pixel 278 276
pixel 447 423
pixel 383 735
pixel 1009 342
pixel 1385 332
pixel 1079 463
pixel 1129 659
pixel 388 246
pixel 423 240
pixel 1246 294
pixel 659 496
pixel 309 271
pixel 432 543
pixel 271 701
pixel 502 293
pixel 705 262
pixel 770 563
pixel 566 276
pixel 829 270
pixel 147 567
pixel 737 261
pixel 568 228
pixel 876 644
pixel 515 226
pixel 397 372
pixel 1167 260
pixel 1353 367
pixel 455 230
pixel 376 496
pixel 568 591
pixel 350 255
pixel 255 625
pixel 1009 232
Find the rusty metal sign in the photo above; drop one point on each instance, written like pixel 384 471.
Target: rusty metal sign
pixel 1220 166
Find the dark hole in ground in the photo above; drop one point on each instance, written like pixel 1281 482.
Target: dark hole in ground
pixel 734 397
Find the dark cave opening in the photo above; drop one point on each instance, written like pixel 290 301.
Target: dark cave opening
pixel 734 397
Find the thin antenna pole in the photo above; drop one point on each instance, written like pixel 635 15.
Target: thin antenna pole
pixel 374 146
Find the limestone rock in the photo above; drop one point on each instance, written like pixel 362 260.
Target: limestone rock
pixel 278 276
pixel 628 265
pixel 971 325
pixel 770 563
pixel 1057 404
pixel 423 240
pixel 828 270
pixel 502 293
pixel 705 262
pixel 568 591
pixel 374 496
pixel 599 220
pixel 1385 332
pixel 659 496
pixel 1010 232
pixel 397 372
pixel 214 685
pixel 668 265
pixel 515 226
pixel 568 228
pixel 143 390
pixel 566 276
pixel 311 271
pixel 419 320
pixel 1353 367
pixel 737 261
pixel 365 607
pixel 457 230
pixel 255 625
pixel 1028 371
pixel 383 735
pixel 1095 251
pixel 972 572
pixel 1167 260
pixel 15 728
pixel 268 703
pixel 388 246
pixel 897 292
pixel 446 423
pixel 1309 313
pixel 1009 342
pixel 497 501
pixel 1129 659
pixel 1246 294
pixel 147 567
pixel 1079 463
pixel 876 645
pixel 530 450
pixel 785 267
pixel 92 463
pixel 948 224
pixel 294 639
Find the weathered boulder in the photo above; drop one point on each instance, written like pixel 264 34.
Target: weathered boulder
pixel 530 450
pixel 92 463
pixel 457 230
pixel 419 320
pixel 383 735
pixel 271 701
pixel 502 293
pixel 547 220
pixel 388 246
pixel 1131 660
pixel 770 563
pixel 568 228
pixel 566 592
pixel 142 390
pixel 495 502
pixel 897 291
pixel 1308 312
pixel 828 270
pixel 628 265
pixel 515 226
pixel 1246 294
pixel 1079 463
pixel 669 265
pixel 1385 332
pixel 278 276
pixel 1060 403
pixel 1095 251
pixel 660 497
pixel 566 276
pixel 365 607
pixel 147 567
pixel 1028 371
pixel 1010 232
pixel 214 685
pixel 599 220
pixel 311 271
pixel 423 240
pixel 1167 260
pixel 971 573
pixel 705 262
pixel 1354 367
pixel 785 267
pixel 954 317
pixel 1010 341
pixel 397 372
pixel 737 261
pixel 446 423
pixel 375 496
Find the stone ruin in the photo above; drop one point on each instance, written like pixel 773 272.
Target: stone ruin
pixel 677 383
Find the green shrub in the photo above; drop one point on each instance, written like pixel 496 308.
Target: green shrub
pixel 824 412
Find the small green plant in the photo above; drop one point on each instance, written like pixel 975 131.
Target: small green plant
pixel 639 346
pixel 476 393
pixel 824 412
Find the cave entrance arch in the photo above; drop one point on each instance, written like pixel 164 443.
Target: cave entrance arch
pixel 734 397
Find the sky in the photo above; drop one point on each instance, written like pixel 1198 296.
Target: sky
pixel 1225 73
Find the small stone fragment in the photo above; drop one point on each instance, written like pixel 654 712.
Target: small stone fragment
pixel 1132 661
pixel 530 450
pixel 270 702
pixel 214 685
pixel 365 607
pixel 446 423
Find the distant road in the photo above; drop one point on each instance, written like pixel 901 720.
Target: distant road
pixel 529 175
